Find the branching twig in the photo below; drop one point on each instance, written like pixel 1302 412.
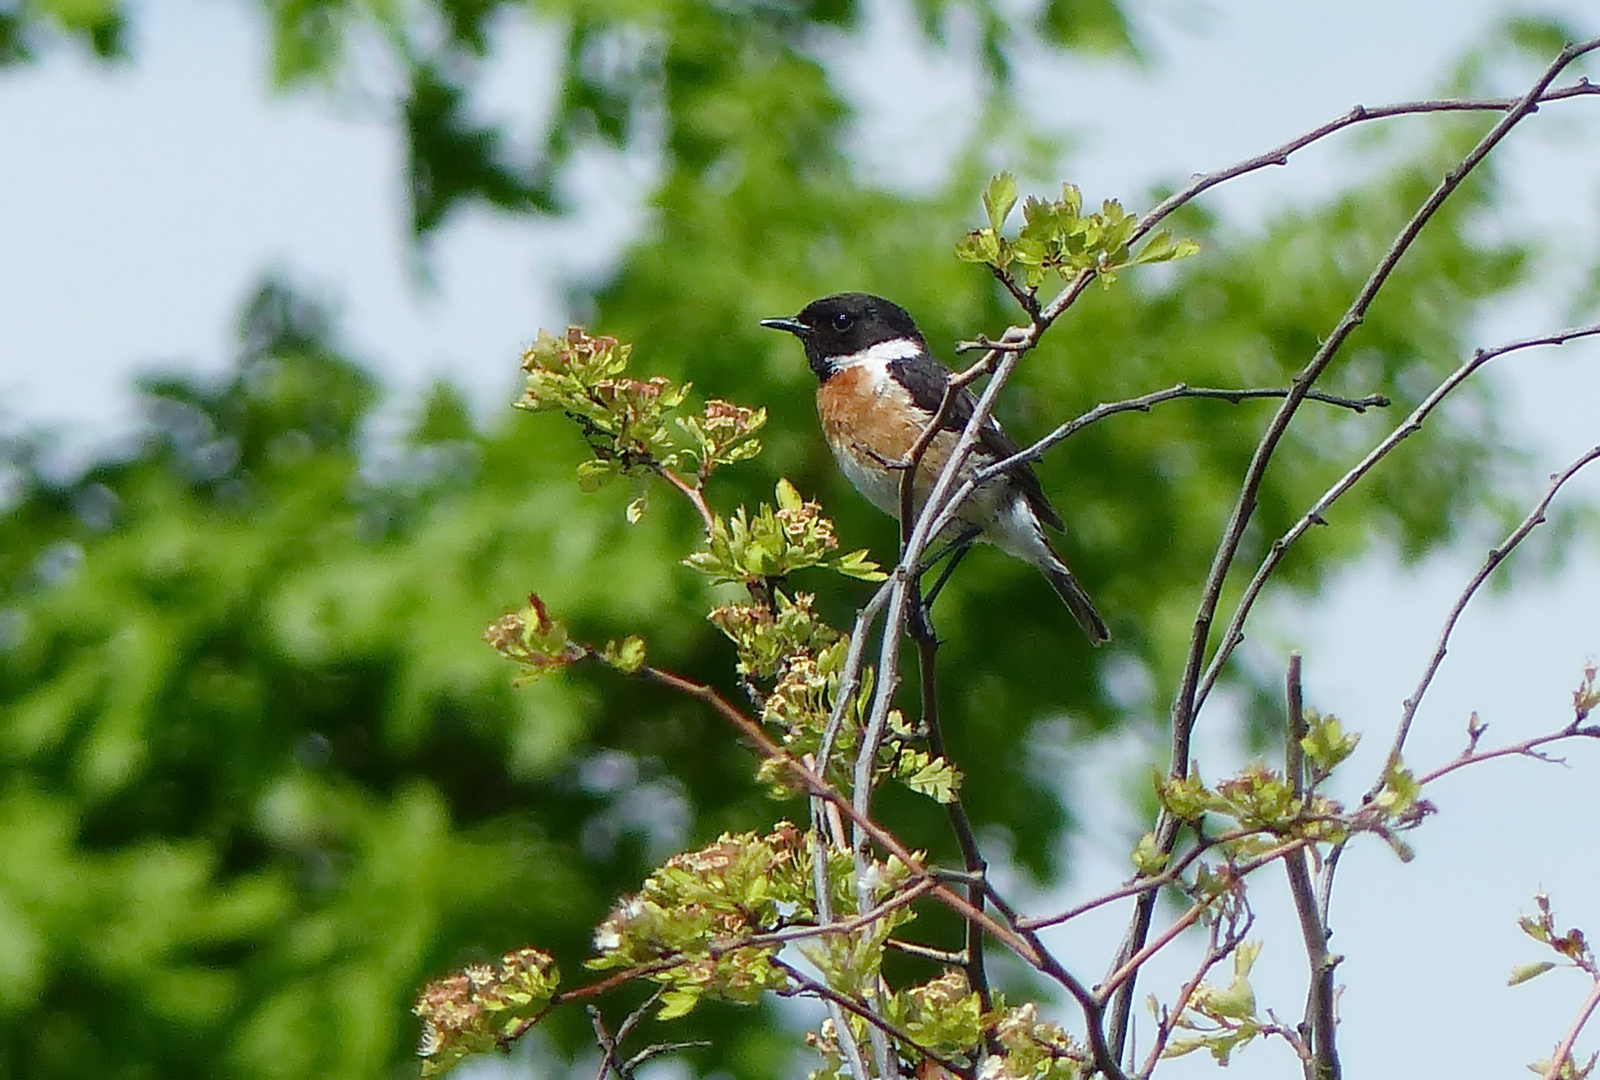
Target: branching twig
pixel 1142 403
pixel 805 984
pixel 1124 973
pixel 1317 515
pixel 692 492
pixel 1183 709
pixel 1496 555
pixel 1528 748
pixel 1225 936
pixel 609 1043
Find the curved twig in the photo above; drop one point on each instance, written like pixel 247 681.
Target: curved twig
pixel 1183 708
pixel 1318 512
pixel 1496 555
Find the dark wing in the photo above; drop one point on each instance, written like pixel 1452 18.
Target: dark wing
pixel 925 379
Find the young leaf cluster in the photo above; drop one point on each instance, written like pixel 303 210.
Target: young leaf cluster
pixel 1572 946
pixel 944 1016
pixel 1260 803
pixel 631 424
pixel 540 644
pixel 477 1008
pixel 1058 237
pixel 700 901
pixel 1266 807
pixel 1222 1018
pixel 774 542
pixel 766 636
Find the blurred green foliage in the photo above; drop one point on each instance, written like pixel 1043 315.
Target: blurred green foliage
pixel 261 777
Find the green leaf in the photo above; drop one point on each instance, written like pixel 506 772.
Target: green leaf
pixel 1524 972
pixel 858 564
pixel 596 474
pixel 1238 1001
pixel 935 778
pixel 998 198
pixel 1148 858
pixel 626 655
pixel 788 497
pixel 1163 248
pixel 676 1002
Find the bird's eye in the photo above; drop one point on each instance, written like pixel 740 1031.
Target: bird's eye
pixel 843 321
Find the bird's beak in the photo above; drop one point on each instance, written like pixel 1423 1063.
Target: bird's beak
pixel 793 326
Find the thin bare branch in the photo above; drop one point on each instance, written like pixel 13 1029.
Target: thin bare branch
pixel 1173 871
pixel 966 839
pixel 1183 709
pixel 1528 748
pixel 916 890
pixel 1317 515
pixel 1496 555
pixel 1225 936
pixel 1279 155
pixel 1563 1053
pixel 1318 1027
pixel 1142 403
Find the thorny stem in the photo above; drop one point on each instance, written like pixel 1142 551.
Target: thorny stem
pixel 1183 709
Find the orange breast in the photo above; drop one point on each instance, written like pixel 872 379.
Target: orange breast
pixel 870 423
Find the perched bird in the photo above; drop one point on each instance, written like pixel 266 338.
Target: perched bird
pixel 879 388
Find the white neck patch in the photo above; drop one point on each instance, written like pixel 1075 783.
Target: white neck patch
pixel 878 357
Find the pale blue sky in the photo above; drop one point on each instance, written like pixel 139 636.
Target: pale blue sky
pixel 142 203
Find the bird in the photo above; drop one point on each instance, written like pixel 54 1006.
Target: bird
pixel 878 387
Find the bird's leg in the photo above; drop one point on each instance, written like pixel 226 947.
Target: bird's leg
pixel 955 550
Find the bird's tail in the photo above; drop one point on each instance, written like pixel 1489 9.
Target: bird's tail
pixel 1077 600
